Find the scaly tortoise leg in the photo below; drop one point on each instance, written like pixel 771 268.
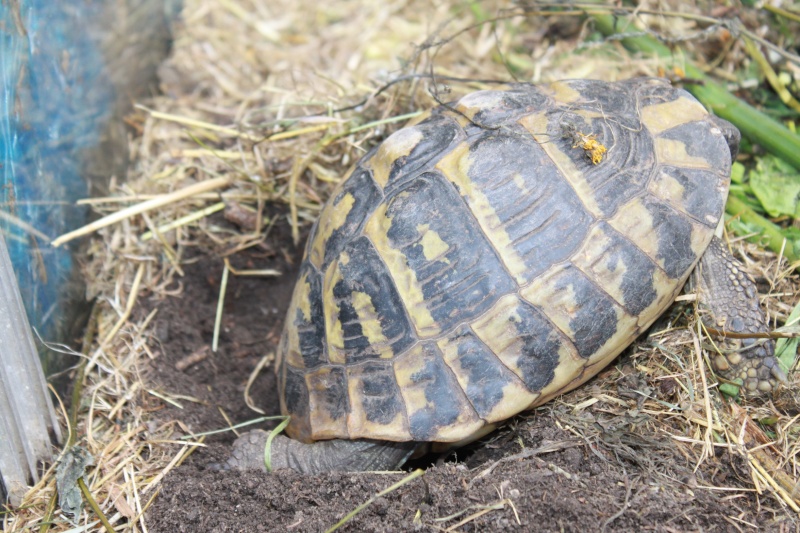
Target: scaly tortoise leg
pixel 728 301
pixel 316 457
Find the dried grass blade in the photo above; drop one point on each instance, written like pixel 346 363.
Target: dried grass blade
pixel 708 446
pixel 223 287
pixel 473 516
pixel 759 450
pixel 412 476
pixel 186 121
pixel 132 297
pixel 21 224
pixel 184 220
pixel 175 460
pixel 128 212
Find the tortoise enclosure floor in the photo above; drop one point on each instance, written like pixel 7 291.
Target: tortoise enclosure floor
pixel 535 474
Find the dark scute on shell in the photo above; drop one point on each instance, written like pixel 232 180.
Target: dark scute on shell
pixel 332 396
pixel 700 199
pixel 541 345
pixel 594 320
pixel 515 102
pixel 651 91
pixel 311 332
pixel 626 167
pixel 441 393
pixel 702 144
pixel 607 98
pixel 366 273
pixel 366 196
pixel 379 393
pixel 439 132
pixel 545 219
pixel 637 287
pixel 486 375
pixel 674 233
pixel 296 393
pixel 469 277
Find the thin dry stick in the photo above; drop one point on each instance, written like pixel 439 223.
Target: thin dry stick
pixel 248 400
pixel 184 220
pixel 491 507
pixel 11 219
pixel 412 476
pixel 149 205
pixel 708 448
pixel 266 272
pixel 137 500
pixel 525 454
pixel 132 297
pixel 167 249
pixel 186 121
pixel 223 287
pixel 774 484
pixel 242 197
pixel 175 460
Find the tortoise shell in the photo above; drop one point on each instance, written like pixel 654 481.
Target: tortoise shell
pixel 495 254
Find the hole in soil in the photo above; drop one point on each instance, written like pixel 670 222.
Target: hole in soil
pixel 455 456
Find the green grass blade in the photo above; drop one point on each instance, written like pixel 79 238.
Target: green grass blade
pixel 772 232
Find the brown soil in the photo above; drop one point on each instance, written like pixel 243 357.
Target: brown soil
pixel 536 474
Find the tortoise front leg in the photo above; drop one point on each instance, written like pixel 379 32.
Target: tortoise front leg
pixel 316 457
pixel 728 301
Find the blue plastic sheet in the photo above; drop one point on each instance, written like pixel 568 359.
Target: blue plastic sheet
pixel 56 100
pixel 60 92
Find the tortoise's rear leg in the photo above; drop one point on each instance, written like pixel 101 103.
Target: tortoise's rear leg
pixel 316 457
pixel 728 301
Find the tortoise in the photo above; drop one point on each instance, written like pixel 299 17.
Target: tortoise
pixel 497 253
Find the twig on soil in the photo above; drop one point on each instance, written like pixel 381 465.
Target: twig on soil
pixel 412 476
pixel 264 272
pixel 624 505
pixel 227 419
pixel 192 359
pixel 482 510
pixel 525 454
